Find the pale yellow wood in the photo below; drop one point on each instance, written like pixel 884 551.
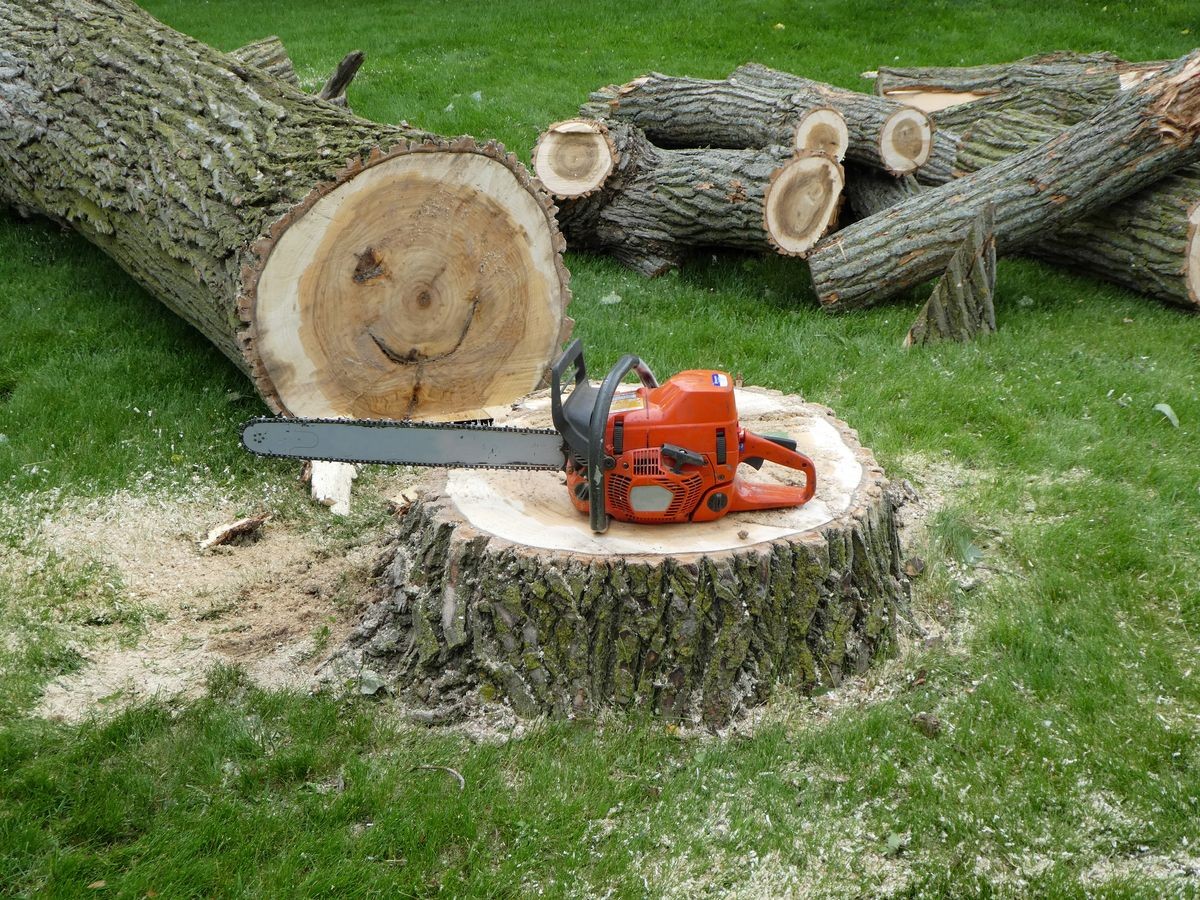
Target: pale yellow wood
pixel 824 130
pixel 426 286
pixel 802 201
pixel 931 101
pixel 332 483
pixel 905 141
pixel 574 157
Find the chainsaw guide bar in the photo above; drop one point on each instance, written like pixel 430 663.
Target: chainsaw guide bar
pixel 446 445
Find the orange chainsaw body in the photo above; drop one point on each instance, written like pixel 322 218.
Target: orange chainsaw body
pixel 672 454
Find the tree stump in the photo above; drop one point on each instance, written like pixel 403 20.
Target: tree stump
pixel 497 588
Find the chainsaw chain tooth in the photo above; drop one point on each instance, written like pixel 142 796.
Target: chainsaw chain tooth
pixel 424 426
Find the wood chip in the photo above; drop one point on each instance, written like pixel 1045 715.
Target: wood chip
pixel 462 782
pixel 223 534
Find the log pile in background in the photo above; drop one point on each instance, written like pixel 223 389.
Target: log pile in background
pixel 1089 160
pixel 648 206
pixel 350 268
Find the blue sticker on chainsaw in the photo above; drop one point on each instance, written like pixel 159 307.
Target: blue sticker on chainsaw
pixel 720 379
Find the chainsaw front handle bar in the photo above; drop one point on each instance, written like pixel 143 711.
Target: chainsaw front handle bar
pixel 582 419
pixel 599 462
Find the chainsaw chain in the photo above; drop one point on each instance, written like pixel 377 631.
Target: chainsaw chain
pixel 424 426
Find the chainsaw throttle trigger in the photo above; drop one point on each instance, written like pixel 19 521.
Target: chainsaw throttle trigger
pixel 681 456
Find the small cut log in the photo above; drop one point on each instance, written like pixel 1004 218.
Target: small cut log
pixel 648 206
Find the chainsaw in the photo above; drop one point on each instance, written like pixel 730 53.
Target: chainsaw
pixel 650 454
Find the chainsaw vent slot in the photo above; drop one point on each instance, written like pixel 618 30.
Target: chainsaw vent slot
pixel 687 493
pixel 647 462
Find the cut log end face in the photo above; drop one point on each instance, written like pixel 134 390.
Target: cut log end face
pixel 823 130
pixel 574 158
pixel 411 274
pixel 906 141
pixel 801 202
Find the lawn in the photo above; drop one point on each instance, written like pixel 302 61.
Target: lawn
pixel 1064 561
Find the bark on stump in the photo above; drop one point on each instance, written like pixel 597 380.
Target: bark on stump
pixel 1140 137
pixel 350 268
pixel 692 112
pixel 883 134
pixel 496 588
pixel 649 207
pixel 961 304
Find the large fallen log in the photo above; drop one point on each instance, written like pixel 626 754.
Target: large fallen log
pixel 1140 137
pixel 496 589
pixel 691 112
pixel 882 134
pixel 649 207
pixel 932 88
pixel 350 268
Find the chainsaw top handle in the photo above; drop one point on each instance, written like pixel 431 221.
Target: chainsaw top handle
pixel 582 419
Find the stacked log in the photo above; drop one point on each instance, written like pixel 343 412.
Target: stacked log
pixel 649 206
pixel 1140 137
pixel 759 107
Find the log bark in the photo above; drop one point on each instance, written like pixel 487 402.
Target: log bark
pixel 1140 137
pixel 271 56
pixel 882 134
pixel 1147 243
pixel 350 268
pixel 496 589
pixel 934 87
pixel 692 112
pixel 960 307
pixel 657 205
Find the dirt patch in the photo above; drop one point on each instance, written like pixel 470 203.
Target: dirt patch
pixel 270 604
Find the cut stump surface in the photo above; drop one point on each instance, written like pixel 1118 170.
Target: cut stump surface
pixel 497 589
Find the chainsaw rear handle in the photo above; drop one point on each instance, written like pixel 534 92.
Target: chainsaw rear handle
pixel 755 446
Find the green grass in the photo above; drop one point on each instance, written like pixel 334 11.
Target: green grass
pixel 1069 699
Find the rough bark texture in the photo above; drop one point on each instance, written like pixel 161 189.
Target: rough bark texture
pixel 187 166
pixel 692 636
pixel 692 112
pixel 1146 242
pixel 882 134
pixel 869 191
pixel 271 56
pixel 961 304
pixel 1140 137
pixel 657 205
pixel 1062 68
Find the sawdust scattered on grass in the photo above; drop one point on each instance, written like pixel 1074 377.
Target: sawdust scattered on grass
pixel 270 604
